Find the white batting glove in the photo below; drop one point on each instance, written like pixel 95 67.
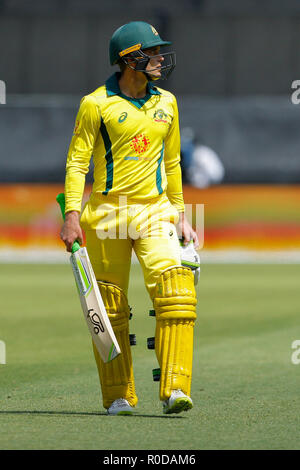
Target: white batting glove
pixel 190 259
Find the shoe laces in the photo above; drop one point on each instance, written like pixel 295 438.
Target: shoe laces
pixel 177 392
pixel 174 394
pixel 119 401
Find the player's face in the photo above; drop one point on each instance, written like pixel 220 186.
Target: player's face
pixel 155 63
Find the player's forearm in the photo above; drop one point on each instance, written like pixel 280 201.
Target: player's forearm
pixel 182 217
pixel 74 188
pixel 71 229
pixel 72 216
pixel 174 189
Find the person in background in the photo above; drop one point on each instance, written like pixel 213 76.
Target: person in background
pixel 201 166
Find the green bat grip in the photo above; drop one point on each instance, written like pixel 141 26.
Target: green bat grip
pixel 61 201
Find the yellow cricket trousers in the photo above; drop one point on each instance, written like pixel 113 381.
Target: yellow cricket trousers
pixel 115 227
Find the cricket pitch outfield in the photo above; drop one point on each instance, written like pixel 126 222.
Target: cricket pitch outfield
pixel 245 386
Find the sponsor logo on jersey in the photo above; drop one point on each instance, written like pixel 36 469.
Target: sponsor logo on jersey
pixel 140 143
pixel 160 116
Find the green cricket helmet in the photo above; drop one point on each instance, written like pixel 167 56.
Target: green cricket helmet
pixel 131 39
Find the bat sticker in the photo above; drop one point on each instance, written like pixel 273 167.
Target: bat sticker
pixel 95 319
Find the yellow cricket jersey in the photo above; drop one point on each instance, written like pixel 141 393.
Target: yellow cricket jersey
pixel 135 145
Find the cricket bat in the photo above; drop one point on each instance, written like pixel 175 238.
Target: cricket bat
pixel 91 301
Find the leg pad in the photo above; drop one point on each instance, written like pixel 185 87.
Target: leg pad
pixel 175 307
pixel 116 377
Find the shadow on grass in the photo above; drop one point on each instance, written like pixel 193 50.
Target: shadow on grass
pixel 83 413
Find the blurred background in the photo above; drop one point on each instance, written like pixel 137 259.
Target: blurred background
pixel 236 64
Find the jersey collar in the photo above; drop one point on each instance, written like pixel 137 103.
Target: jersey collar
pixel 112 86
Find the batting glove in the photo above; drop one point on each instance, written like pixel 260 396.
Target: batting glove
pixel 190 259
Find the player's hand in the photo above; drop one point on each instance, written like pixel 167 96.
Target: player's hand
pixel 186 232
pixel 191 259
pixel 71 230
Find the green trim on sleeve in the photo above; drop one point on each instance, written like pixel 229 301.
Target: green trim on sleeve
pixel 108 157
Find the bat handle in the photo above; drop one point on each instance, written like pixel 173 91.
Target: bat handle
pixel 61 201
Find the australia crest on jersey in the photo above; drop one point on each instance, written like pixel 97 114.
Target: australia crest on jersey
pixel 160 116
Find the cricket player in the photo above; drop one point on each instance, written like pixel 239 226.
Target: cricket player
pixel 131 128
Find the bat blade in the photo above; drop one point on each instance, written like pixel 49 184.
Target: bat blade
pixel 93 307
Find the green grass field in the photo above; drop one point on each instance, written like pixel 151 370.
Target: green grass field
pixel 245 387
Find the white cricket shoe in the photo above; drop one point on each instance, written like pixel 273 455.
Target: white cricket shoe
pixel 120 407
pixel 177 402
